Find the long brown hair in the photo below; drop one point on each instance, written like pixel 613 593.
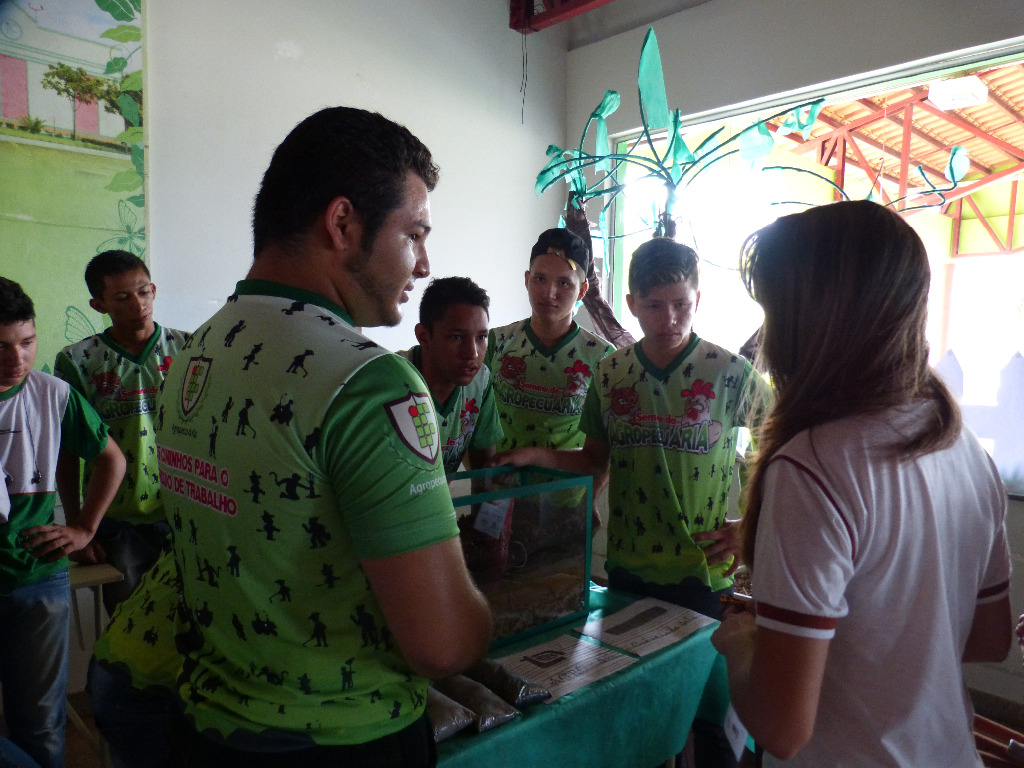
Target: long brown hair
pixel 844 288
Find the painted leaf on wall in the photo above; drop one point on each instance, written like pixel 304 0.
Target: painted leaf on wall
pixel 125 181
pixel 124 33
pixel 115 65
pixel 129 108
pixel 122 10
pixel 132 82
pixel 651 82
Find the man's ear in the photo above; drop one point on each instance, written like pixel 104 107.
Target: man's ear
pixel 526 279
pixel 696 302
pixel 98 305
pixel 422 334
pixel 344 225
pixel 583 290
pixel 629 303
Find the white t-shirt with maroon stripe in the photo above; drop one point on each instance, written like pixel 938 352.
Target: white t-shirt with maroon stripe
pixel 888 561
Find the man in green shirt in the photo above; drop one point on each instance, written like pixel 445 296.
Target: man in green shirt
pixel 452 335
pixel 312 525
pixel 120 371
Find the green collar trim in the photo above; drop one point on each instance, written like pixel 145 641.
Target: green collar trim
pixel 548 352
pixel 658 373
pixel 139 359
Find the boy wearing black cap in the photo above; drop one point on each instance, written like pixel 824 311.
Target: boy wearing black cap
pixel 542 366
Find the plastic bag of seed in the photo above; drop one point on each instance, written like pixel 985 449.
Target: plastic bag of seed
pixel 489 710
pixel 513 688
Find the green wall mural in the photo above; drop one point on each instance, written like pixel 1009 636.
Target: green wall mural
pixel 72 154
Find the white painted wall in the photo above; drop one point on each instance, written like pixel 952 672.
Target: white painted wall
pixel 227 79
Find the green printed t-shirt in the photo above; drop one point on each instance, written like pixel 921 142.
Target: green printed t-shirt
pixel 122 388
pixel 292 447
pixel 39 418
pixel 469 420
pixel 140 637
pixel 672 440
pixel 540 391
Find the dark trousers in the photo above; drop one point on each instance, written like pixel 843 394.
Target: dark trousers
pixel 132 549
pixel 412 747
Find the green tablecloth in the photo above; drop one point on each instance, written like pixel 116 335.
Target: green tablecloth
pixel 639 716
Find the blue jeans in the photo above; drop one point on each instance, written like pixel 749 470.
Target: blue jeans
pixel 13 756
pixel 35 624
pixel 134 722
pixel 132 549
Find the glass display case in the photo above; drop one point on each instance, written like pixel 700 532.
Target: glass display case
pixel 525 533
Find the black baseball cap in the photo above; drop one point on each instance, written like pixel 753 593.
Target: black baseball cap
pixel 561 242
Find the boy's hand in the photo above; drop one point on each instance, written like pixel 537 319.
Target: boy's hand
pixel 52 542
pixel 517 457
pixel 725 544
pixel 734 638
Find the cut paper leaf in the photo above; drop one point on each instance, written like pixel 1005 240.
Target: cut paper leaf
pixel 958 165
pixel 756 142
pixel 651 82
pixel 679 154
pixel 550 173
pixel 601 148
pixel 801 119
pixel 609 103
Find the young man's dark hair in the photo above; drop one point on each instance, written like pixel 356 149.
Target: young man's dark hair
pixel 445 291
pixel 337 152
pixel 114 262
pixel 662 262
pixel 15 305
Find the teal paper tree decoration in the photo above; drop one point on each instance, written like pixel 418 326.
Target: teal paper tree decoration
pixel 594 174
pixel 677 166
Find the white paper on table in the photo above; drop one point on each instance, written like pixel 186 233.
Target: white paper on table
pixel 565 664
pixel 646 626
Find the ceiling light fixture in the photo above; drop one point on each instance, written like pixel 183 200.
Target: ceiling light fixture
pixel 958 93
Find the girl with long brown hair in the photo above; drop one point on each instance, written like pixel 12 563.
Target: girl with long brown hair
pixel 874 521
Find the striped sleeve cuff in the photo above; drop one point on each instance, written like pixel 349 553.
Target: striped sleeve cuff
pixel 993 593
pixel 796 623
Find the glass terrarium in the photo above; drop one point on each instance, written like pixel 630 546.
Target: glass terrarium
pixel 525 533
